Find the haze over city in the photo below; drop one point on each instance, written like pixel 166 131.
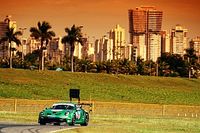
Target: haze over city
pixel 99 16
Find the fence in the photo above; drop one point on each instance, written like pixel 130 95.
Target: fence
pixel 106 108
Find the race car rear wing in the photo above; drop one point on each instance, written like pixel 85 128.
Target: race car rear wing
pixel 86 105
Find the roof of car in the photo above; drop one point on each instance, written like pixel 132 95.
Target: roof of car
pixel 63 103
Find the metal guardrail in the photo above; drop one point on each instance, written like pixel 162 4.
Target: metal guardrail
pixel 106 108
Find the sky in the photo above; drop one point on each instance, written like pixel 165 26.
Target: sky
pixel 98 16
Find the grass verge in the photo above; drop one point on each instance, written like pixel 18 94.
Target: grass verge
pixel 18 117
pixel 26 84
pixel 132 124
pixel 119 123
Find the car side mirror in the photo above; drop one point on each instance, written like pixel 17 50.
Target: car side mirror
pixel 78 107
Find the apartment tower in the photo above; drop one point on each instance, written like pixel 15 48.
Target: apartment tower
pixel 195 43
pixel 178 42
pixel 145 25
pixel 4 47
pixel 118 36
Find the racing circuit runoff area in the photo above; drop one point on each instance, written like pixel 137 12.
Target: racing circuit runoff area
pixel 21 116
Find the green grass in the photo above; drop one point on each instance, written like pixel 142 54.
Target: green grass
pixel 131 124
pixel 28 84
pixel 119 123
pixel 19 117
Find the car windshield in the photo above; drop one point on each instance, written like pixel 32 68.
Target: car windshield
pixel 63 107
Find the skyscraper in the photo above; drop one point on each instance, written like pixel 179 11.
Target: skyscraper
pixel 78 50
pixel 178 40
pixel 145 21
pixel 140 47
pixel 4 47
pixel 196 45
pixel 103 49
pixel 118 36
pixel 3 28
pixel 165 42
pixel 154 46
pixel 55 50
pixel 90 51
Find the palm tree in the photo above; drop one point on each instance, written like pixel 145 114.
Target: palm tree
pixel 192 59
pixel 11 37
pixel 140 66
pixel 44 35
pixel 74 35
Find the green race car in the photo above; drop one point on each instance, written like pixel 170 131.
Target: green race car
pixel 64 112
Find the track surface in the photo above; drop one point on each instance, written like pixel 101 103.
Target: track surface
pixel 31 128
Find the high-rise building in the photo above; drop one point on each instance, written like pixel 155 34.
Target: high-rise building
pixel 78 50
pixel 4 47
pixel 113 47
pixel 107 48
pixel 5 24
pixel 97 50
pixel 196 45
pixel 32 44
pixel 24 47
pixel 55 50
pixel 178 42
pixel 3 28
pixel 145 22
pixel 103 49
pixel 154 46
pixel 87 49
pixel 129 50
pixel 118 36
pixel 90 51
pixel 165 42
pixel 140 47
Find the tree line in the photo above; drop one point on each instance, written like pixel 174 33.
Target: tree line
pixel 42 33
pixel 167 65
pixel 170 65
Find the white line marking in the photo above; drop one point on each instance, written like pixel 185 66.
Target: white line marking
pixel 65 129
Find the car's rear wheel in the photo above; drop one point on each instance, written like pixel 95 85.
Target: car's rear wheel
pixel 86 120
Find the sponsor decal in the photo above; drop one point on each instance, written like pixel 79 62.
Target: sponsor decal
pixel 78 115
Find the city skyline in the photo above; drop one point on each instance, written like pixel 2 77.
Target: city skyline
pixel 98 17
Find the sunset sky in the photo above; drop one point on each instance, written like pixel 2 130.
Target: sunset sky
pixel 98 16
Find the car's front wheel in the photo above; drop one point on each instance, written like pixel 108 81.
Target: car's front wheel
pixel 86 120
pixel 73 121
pixel 57 123
pixel 42 123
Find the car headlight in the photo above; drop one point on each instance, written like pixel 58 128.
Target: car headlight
pixel 41 113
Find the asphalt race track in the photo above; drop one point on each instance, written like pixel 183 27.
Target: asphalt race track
pixel 32 128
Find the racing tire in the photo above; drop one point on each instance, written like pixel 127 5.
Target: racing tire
pixel 57 123
pixel 73 121
pixel 42 123
pixel 86 120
